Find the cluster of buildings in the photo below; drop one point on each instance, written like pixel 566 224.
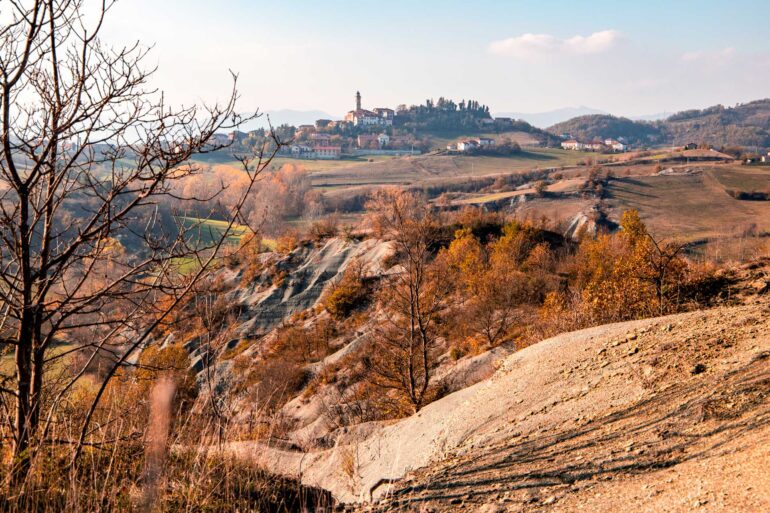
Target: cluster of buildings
pixel 380 116
pixel 607 145
pixel 382 141
pixel 318 143
pixel 303 151
pixel 470 145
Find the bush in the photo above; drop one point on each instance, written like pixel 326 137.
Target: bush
pixel 287 242
pixel 348 294
pixel 325 228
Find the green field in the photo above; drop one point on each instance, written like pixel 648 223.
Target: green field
pixel 208 231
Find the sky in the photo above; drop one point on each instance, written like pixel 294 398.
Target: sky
pixel 629 58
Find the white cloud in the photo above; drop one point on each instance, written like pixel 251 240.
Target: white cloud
pixel 716 57
pixel 528 46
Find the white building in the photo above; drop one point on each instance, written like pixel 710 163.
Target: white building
pixel 468 145
pixel 574 145
pixel 300 151
pixel 361 117
pixel 615 145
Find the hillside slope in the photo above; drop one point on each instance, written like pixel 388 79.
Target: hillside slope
pixel 671 417
pixel 743 125
pixel 639 411
pixel 586 128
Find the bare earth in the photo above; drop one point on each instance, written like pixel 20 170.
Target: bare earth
pixel 667 414
pixel 680 422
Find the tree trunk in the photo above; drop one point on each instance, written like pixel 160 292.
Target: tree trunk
pixel 23 413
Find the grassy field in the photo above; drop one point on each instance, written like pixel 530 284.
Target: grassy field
pixel 561 186
pixel 742 178
pixel 412 170
pixel 211 230
pixel 311 165
pixel 690 208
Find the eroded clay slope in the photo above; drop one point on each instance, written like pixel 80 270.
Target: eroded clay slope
pixel 580 412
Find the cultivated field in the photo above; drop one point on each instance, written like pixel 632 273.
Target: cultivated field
pixel 692 208
pixel 742 178
pixel 430 168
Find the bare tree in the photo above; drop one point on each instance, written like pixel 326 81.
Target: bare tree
pixel 663 268
pixel 89 249
pixel 406 343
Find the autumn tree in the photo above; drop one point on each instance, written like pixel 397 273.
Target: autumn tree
pixel 615 277
pixel 493 282
pixel 412 299
pixel 658 262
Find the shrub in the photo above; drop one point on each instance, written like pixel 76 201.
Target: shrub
pixel 325 228
pixel 348 294
pixel 287 242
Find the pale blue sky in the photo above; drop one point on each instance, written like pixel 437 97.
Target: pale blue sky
pixel 527 56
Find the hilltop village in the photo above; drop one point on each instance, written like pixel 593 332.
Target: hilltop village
pixel 402 131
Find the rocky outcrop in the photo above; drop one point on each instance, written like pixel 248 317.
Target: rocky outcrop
pixel 306 273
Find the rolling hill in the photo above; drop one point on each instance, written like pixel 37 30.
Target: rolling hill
pixel 743 125
pixel 551 117
pixel 603 126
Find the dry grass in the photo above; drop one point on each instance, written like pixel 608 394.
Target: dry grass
pixel 690 208
pixel 174 467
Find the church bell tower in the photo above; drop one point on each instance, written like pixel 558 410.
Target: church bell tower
pixel 358 100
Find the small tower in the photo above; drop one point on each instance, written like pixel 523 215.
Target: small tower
pixel 358 100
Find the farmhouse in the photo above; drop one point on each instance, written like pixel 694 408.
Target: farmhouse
pixel 367 141
pixel 301 151
pixel 467 145
pixel 485 141
pixel 615 145
pixel 327 152
pixel 573 144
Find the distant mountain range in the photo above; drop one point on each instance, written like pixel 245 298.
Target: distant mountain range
pixel 288 117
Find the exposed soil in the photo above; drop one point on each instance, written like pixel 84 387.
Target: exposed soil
pixel 696 439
